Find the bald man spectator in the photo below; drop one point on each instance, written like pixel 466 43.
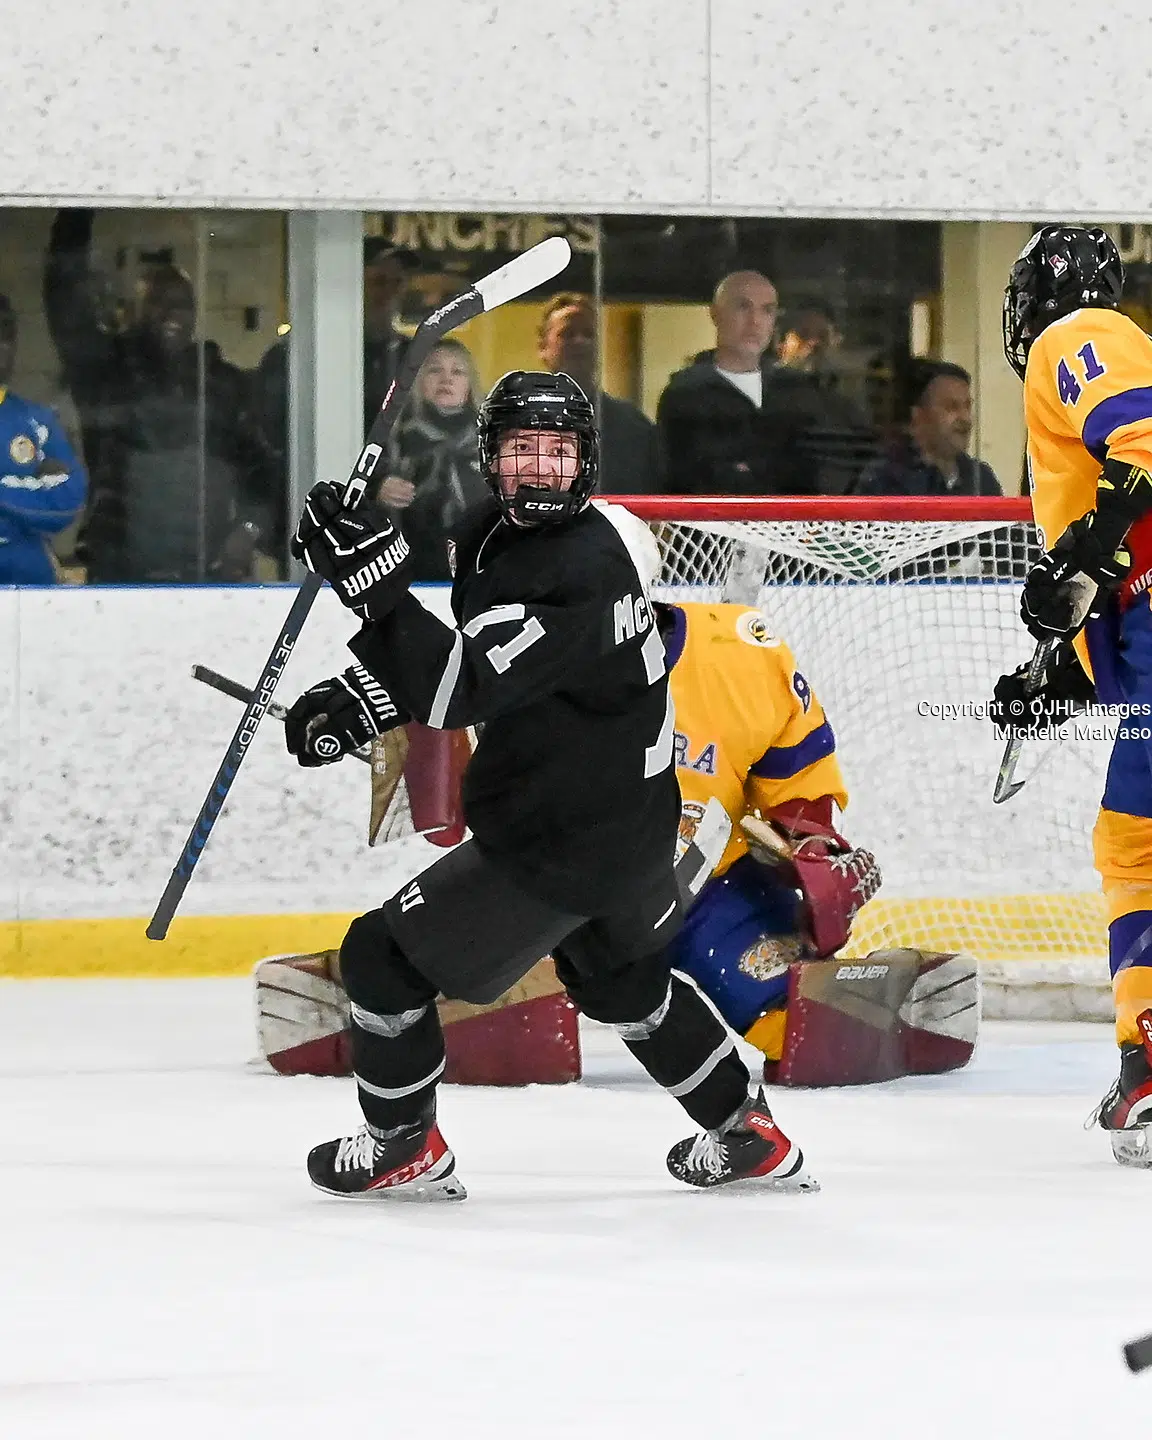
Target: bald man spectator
pixel 630 459
pixel 932 457
pixel 727 427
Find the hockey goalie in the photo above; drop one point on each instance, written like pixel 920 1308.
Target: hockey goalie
pixel 764 930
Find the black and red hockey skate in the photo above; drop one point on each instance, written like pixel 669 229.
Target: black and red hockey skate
pixel 750 1149
pixel 411 1164
pixel 1126 1110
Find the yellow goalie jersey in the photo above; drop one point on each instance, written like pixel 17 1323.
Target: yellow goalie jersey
pixel 749 729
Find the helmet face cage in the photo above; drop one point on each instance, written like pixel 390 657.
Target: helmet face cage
pixel 1062 268
pixel 529 400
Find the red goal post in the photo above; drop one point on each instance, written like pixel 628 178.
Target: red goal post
pixel 902 613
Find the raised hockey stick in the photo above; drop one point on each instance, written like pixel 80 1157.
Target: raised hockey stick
pixel 1006 784
pixel 235 691
pixel 520 275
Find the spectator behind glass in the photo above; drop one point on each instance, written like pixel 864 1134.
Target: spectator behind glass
pixel 42 483
pixel 387 268
pixel 434 463
pixel 727 427
pixel 932 458
pixel 630 459
pixel 839 438
pixel 180 491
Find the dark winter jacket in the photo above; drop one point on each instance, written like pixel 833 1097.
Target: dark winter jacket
pixel 631 462
pixel 904 471
pixel 173 459
pixel 437 453
pixel 716 441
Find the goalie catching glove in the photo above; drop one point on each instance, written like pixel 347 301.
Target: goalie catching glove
pixel 362 556
pixel 338 716
pixel 835 879
pixel 1064 690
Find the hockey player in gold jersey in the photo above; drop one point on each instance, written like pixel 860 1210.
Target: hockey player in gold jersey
pixel 751 732
pixel 1087 372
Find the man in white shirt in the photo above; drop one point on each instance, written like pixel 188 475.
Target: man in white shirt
pixel 728 430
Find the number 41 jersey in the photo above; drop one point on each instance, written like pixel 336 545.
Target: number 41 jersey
pixel 555 653
pixel 1088 397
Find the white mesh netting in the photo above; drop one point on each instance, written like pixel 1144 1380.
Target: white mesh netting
pixel 891 621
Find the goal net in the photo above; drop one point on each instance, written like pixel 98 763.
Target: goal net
pixel 902 614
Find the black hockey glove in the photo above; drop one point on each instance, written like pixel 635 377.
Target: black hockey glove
pixel 338 716
pixel 363 557
pixel 1064 691
pixel 1071 582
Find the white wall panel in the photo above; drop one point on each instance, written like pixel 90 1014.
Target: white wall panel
pixel 945 108
pixel 730 106
pixel 118 745
pixel 448 103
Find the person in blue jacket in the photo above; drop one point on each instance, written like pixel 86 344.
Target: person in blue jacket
pixel 42 483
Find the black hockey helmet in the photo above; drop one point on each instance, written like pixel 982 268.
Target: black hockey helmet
pixel 536 400
pixel 1061 269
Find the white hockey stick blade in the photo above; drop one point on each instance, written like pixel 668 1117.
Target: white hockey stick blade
pixel 525 272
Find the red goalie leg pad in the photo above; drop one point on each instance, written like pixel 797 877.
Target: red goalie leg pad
pixel 896 1012
pixel 331 1055
pixel 302 1015
pixel 530 1036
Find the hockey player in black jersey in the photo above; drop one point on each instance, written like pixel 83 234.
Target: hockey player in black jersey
pixel 571 797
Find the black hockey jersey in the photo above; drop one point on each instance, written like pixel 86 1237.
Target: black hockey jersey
pixel 555 652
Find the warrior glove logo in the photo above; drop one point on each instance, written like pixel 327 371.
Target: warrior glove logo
pixel 377 569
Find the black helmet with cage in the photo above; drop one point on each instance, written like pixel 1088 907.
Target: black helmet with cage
pixel 1062 268
pixel 536 400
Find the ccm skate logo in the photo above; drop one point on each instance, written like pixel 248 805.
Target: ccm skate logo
pixel 1144 1020
pixel 407 1172
pixel 378 569
pixel 862 972
pixel 762 1124
pixel 630 617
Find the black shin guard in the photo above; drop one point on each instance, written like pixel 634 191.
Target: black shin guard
pixel 397 1043
pixel 677 1038
pixel 687 1050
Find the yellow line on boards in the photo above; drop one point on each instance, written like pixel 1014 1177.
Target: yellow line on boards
pixel 1000 928
pixel 196 945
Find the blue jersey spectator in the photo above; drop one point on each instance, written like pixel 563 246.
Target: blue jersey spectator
pixel 42 483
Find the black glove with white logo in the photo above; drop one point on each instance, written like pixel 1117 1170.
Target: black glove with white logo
pixel 338 716
pixel 362 556
pixel 1072 582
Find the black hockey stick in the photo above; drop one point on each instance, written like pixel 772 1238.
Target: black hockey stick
pixel 1006 784
pixel 236 691
pixel 523 273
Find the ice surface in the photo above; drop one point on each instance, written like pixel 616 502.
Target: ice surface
pixel 970 1269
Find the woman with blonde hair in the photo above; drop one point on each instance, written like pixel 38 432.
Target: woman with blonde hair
pixel 434 470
